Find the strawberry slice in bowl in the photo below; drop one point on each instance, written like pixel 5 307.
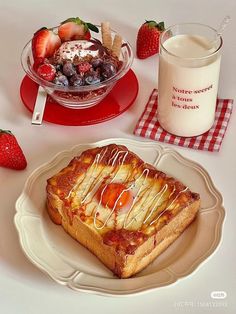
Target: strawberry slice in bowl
pixel 74 28
pixel 44 43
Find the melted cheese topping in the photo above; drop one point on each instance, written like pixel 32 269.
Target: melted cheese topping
pixel 154 199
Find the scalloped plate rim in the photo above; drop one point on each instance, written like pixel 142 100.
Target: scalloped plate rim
pixel 111 292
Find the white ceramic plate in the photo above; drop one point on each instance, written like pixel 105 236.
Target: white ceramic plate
pixel 69 263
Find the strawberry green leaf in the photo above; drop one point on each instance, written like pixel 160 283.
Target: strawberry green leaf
pixel 86 28
pixel 71 19
pixel 151 22
pixel 92 27
pixel 76 20
pixel 6 131
pixel 161 26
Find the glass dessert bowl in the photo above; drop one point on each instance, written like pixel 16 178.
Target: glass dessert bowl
pixel 90 93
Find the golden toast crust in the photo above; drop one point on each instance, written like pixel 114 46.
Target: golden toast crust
pixel 160 211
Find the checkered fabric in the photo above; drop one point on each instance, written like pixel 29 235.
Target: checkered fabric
pixel 149 127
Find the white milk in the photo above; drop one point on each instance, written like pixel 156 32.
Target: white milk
pixel 187 87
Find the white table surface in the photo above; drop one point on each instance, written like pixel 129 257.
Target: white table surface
pixel 23 287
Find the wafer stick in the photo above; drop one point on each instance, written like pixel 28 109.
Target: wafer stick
pixel 106 35
pixel 116 46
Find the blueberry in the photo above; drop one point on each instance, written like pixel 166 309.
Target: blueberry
pixel 96 63
pixel 108 70
pixel 61 80
pixel 92 77
pixel 68 69
pixel 76 80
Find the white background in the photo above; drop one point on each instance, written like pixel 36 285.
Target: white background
pixel 25 289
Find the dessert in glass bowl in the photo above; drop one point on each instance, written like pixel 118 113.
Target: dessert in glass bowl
pixel 76 69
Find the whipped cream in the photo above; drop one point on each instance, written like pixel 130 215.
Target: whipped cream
pixel 79 49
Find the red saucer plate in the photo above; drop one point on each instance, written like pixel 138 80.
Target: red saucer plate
pixel 115 103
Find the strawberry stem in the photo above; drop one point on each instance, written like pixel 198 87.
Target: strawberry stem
pixel 160 26
pixel 78 21
pixel 71 19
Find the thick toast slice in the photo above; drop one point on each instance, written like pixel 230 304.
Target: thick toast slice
pixel 122 209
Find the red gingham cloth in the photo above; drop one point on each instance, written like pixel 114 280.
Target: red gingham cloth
pixel 148 126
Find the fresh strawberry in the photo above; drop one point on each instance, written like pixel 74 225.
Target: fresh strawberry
pixel 74 28
pixel 38 62
pixel 70 31
pixel 47 71
pixel 87 35
pixel 44 43
pixel 11 155
pixel 148 39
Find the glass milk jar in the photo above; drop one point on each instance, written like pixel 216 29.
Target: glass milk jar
pixel 188 78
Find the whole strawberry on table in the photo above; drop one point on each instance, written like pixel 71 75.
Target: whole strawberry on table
pixel 148 39
pixel 11 154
